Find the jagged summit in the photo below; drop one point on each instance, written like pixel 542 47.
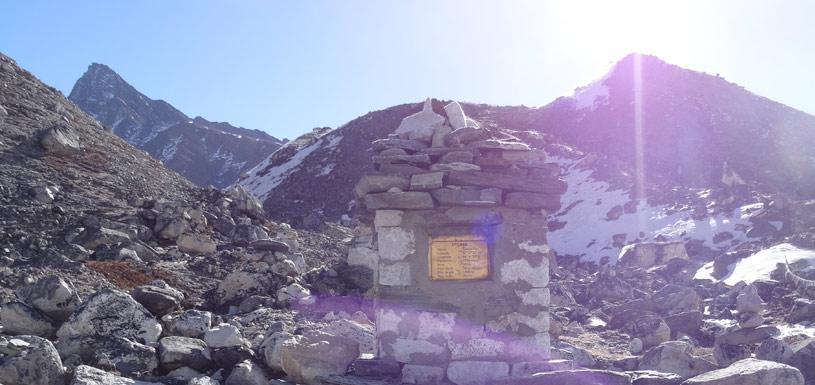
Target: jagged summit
pixel 205 152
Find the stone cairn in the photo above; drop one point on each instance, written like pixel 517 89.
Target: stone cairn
pixel 443 178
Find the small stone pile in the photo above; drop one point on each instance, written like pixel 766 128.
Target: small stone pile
pixel 444 176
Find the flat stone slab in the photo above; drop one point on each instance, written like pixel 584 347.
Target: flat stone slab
pixel 352 380
pixel 498 144
pixel 506 182
pixel 405 144
pixel 408 200
pixel 418 159
pixel 379 183
pixel 569 377
pixel 427 181
pixel 529 200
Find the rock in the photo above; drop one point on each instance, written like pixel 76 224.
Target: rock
pixel 610 287
pixel 649 254
pixel 158 300
pixel 259 301
pixel 18 318
pixel 455 166
pixel 675 299
pixel 455 115
pixel 245 203
pixel 651 329
pixel 420 126
pixel 427 181
pixel 802 310
pixel 745 336
pixel 749 301
pixel 527 200
pixel 422 374
pixel 569 377
pixel 774 349
pixel 109 313
pixel 87 375
pixel 378 367
pixel 60 139
pixel 292 293
pixel 379 183
pixel 231 356
pixel 314 354
pixel 44 194
pixel 271 348
pixel 457 157
pixel 399 200
pixel 687 322
pixel 499 144
pixel 404 144
pixel 803 358
pixel 29 360
pixel 270 245
pixel 675 357
pixel 183 374
pixel 124 355
pixel 438 136
pixel 507 182
pixel 196 244
pixel 750 320
pixel 246 233
pixel 204 380
pixel 247 373
pixel 465 135
pixel 175 352
pixel 363 334
pixel 647 377
pixel 750 372
pixel 579 356
pixel 241 284
pixel 726 354
pixel 476 372
pixel 635 346
pixel 223 336
pixel 422 160
pixel 91 238
pixel 52 296
pixel 189 323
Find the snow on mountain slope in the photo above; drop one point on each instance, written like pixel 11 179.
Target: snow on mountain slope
pixel 598 220
pixel 760 265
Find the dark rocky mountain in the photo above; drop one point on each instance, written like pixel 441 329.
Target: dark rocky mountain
pixel 714 154
pixel 207 153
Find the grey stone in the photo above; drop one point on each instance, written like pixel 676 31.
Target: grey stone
pixel 647 377
pixel 158 300
pixel 241 284
pixel 392 151
pixel 245 203
pixel 749 301
pixel 399 200
pixel 271 348
pixel 60 139
pixel 725 354
pixel 457 157
pixel 395 274
pixel 404 170
pixel 675 357
pixel 802 310
pixel 647 254
pixel 224 335
pixel 476 372
pixel 506 182
pixel 18 318
pixel 527 200
pixel 124 355
pixel 427 181
pixel 455 197
pixel 247 373
pixel 388 218
pixel 204 380
pixel 774 349
pixel 270 245
pixel 314 354
pixel 747 336
pixel 29 360
pixel 416 351
pixel 189 323
pixel 455 115
pixel 570 377
pixel 362 333
pixel 406 144
pixel 529 368
pixel 363 256
pixel 395 243
pixel 803 357
pixel 91 238
pixel 421 125
pixel 477 348
pixel 465 135
pixel 415 159
pixel 291 293
pixel 175 352
pixel 52 296
pixel 439 133
pixel 88 375
pixel 379 183
pixel 497 144
pixel 750 371
pixel 109 313
pixel 455 166
pixel 521 271
pixel 196 244
pixel 422 374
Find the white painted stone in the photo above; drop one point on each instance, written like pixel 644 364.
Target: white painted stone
pixel 421 125
pixel 534 248
pixel 521 270
pixel 422 374
pixel 536 346
pixel 387 321
pixel 455 115
pixel 476 372
pixel 477 348
pixel 513 321
pixel 363 256
pixel 538 296
pixel 404 348
pixel 397 274
pixel 395 243
pixel 388 218
pixel 435 324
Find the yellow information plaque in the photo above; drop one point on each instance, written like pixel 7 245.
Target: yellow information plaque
pixel 458 257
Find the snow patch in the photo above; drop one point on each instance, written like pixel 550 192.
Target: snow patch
pixel 594 94
pixel 168 152
pixel 760 265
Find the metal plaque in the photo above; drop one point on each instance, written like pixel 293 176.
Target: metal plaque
pixel 456 257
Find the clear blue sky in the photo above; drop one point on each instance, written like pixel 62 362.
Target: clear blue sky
pixel 288 66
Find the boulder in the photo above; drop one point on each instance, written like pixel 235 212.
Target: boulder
pixel 122 354
pixel 803 358
pixel 802 310
pixel 675 357
pixel 420 126
pixel 88 375
pixel 196 244
pixel 291 293
pixel 362 333
pixel 245 203
pixel 648 254
pixel 774 349
pixel 726 354
pixel 112 313
pixel 313 354
pixel 18 318
pixel 189 323
pixel 29 360
pixel 246 233
pixel 60 139
pixel 675 299
pixel 271 348
pixel 379 183
pixel 455 115
pixel 427 181
pixel 241 284
pixel 91 238
pixel 750 371
pixel 52 296
pixel 224 336
pixel 158 299
pixel 231 356
pixel 247 373
pixel 748 300
pixel 175 352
